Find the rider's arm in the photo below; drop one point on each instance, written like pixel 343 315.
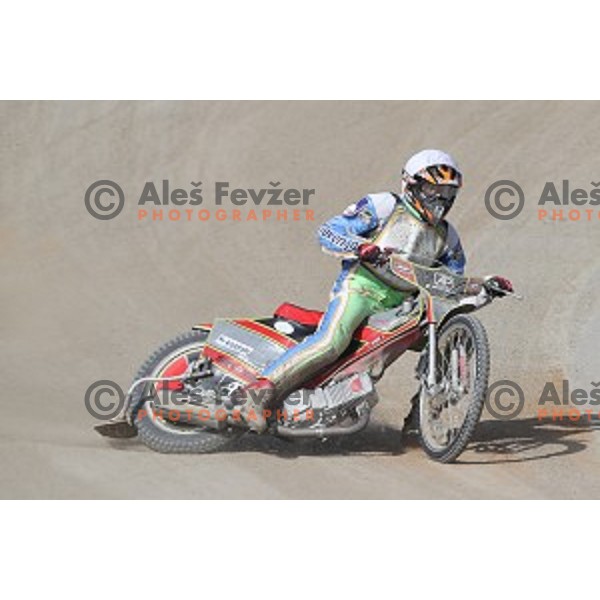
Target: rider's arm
pixel 453 256
pixel 342 235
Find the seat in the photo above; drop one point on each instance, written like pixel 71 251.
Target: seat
pixel 304 316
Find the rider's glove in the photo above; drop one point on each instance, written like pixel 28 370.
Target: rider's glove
pixel 369 253
pixel 498 286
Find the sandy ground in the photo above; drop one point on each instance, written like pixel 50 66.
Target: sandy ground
pixel 84 299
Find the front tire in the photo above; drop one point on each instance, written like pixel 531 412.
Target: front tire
pixel 462 400
pixel 157 433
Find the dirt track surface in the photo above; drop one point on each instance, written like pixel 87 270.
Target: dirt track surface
pixel 84 300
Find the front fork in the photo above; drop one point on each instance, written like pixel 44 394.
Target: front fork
pixel 432 341
pixel 432 357
pixel 458 368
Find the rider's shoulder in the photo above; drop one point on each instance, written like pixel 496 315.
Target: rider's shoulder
pixel 383 203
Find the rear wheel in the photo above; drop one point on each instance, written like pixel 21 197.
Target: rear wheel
pixel 154 427
pixel 447 419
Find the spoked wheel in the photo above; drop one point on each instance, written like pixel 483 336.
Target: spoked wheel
pixel 447 419
pixel 167 431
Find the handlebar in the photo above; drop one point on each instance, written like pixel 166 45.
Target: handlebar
pixel 388 254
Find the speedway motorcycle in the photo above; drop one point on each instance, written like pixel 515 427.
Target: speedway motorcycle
pixel 182 399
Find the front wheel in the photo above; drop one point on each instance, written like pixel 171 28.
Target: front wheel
pixel 447 418
pixel 156 431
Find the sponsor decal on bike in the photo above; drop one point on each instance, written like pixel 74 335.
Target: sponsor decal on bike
pixel 443 282
pixel 231 345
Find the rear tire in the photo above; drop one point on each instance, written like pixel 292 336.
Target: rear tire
pixel 154 432
pixel 478 391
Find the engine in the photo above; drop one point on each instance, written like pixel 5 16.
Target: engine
pixel 329 404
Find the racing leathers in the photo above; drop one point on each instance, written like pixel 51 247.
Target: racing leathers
pixel 388 221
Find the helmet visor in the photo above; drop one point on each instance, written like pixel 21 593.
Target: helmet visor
pixel 444 192
pixel 437 200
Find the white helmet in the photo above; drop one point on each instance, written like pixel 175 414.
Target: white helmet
pixel 430 182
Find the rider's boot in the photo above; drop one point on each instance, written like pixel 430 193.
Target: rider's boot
pixel 257 398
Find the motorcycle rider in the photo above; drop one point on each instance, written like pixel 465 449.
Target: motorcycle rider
pixel 414 224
